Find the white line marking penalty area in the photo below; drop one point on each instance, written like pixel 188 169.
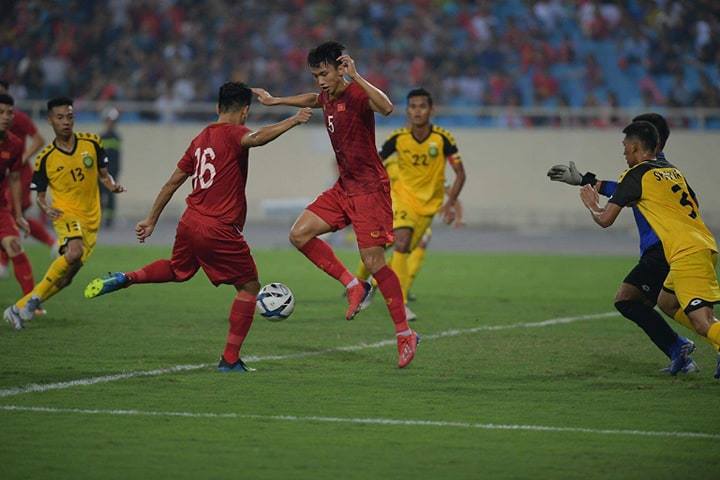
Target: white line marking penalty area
pixel 365 421
pixel 45 387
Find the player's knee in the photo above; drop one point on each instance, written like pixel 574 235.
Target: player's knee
pixel 402 245
pixel 298 237
pixel 13 247
pixel 248 291
pixel 626 308
pixel 701 319
pixel 73 254
pixel 373 262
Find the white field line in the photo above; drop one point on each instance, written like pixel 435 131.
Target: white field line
pixel 364 421
pixel 34 387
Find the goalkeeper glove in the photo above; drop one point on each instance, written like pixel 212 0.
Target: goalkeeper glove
pixel 569 174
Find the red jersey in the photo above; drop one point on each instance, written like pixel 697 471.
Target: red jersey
pixel 22 127
pixel 219 167
pixel 11 152
pixel 351 125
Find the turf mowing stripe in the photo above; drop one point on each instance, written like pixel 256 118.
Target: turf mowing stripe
pixel 363 421
pixel 34 387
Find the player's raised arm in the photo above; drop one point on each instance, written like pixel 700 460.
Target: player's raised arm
pixel 271 132
pixel 144 228
pixel 309 100
pixel 379 102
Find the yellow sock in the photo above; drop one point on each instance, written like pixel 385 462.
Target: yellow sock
pixel 362 272
pixel 45 288
pixel 714 333
pixel 415 261
pixel 51 292
pixel 682 318
pixel 399 264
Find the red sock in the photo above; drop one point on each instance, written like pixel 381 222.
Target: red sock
pixel 159 271
pixel 322 255
pixel 23 272
pixel 4 258
pixel 389 286
pixel 40 232
pixel 241 318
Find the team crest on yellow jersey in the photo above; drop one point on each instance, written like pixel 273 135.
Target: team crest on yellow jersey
pixel 87 160
pixel 433 149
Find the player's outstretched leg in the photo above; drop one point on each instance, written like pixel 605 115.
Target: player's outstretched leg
pixel 241 319
pixel 109 283
pixel 159 271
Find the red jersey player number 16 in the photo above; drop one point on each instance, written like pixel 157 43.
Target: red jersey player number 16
pixel 210 232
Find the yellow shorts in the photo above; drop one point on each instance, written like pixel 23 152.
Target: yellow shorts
pixel 693 280
pixel 406 217
pixel 67 229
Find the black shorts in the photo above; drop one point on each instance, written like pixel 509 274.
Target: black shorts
pixel 650 272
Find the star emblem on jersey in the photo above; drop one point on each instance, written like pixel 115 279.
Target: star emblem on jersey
pixel 87 160
pixel 341 107
pixel 5 155
pixel 433 150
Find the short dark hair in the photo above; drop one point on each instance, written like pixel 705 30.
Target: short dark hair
pixel 420 92
pixel 6 99
pixel 59 102
pixel 660 124
pixel 233 96
pixel 327 52
pixel 5 84
pixel 645 132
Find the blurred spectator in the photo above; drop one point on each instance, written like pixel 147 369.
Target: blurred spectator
pixel 172 52
pixel 112 143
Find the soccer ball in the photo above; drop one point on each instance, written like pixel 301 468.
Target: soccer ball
pixel 275 302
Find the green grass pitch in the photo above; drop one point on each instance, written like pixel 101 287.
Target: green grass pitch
pixel 595 383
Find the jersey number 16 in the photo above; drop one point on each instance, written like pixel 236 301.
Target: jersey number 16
pixel 203 168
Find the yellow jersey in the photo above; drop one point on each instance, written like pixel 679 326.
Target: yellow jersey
pixel 72 178
pixel 665 199
pixel 420 169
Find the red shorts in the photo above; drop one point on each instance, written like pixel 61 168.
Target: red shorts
pixel 220 249
pixel 8 227
pixel 370 214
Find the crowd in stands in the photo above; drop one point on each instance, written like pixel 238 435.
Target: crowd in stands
pixel 544 53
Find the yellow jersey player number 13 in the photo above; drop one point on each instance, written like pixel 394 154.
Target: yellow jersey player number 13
pixel 70 168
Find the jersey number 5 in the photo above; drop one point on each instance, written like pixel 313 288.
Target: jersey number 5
pixel 330 125
pixel 685 200
pixel 203 168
